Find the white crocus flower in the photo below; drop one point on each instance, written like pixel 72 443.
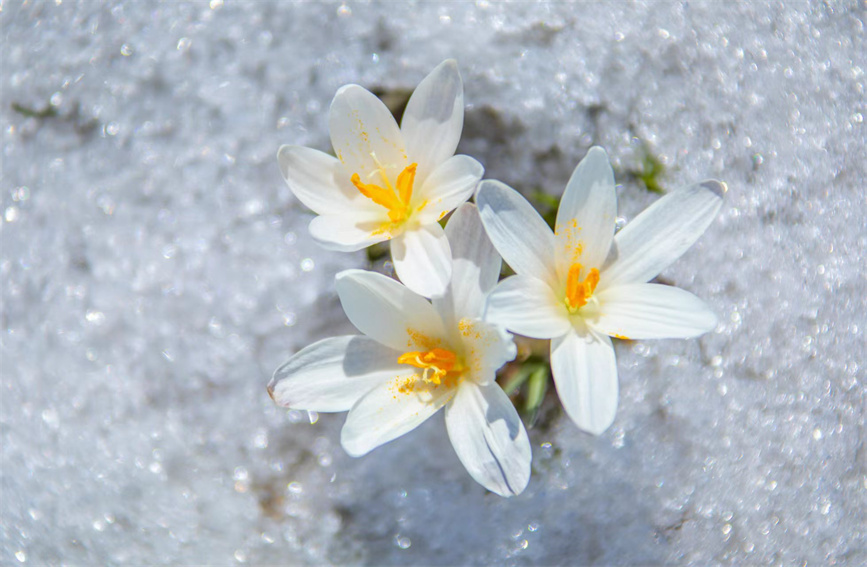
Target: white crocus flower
pixel 582 283
pixel 390 183
pixel 415 357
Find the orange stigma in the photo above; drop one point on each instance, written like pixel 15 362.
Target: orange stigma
pixel 396 201
pixel 578 291
pixel 436 363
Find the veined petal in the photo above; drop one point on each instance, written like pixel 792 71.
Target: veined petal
pixel 363 132
pixel 350 231
pixel 517 231
pixel 489 438
pixel 486 346
pixel 528 306
pixel 434 117
pixel 652 311
pixel 388 312
pixel 585 373
pixel 333 374
pixel 475 267
pixel 661 234
pixel 313 177
pixel 423 260
pixel 587 213
pixel 390 410
pixel 449 185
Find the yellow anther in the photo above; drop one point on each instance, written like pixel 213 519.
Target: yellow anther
pixel 397 202
pixel 436 363
pixel 578 292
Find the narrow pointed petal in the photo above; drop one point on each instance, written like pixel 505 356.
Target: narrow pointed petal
pixel 388 411
pixel 475 266
pixel 387 311
pixel 652 311
pixel 517 231
pixel 434 118
pixel 587 213
pixel 423 260
pixel 448 186
pixel 313 177
pixel 333 374
pixel 585 373
pixel 489 438
pixel 349 232
pixel 362 127
pixel 528 306
pixel 661 234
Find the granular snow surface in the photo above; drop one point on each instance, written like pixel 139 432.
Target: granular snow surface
pixel 156 269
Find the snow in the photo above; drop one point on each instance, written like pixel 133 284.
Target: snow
pixel 155 270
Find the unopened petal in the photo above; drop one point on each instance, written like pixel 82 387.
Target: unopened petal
pixel 585 373
pixel 661 234
pixel 434 118
pixel 365 135
pixel 587 213
pixel 447 187
pixel 528 306
pixel 389 411
pixel 519 234
pixel 387 311
pixel 423 259
pixel 489 438
pixel 331 375
pixel 652 311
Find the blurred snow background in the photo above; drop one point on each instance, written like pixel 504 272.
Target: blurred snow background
pixel 155 270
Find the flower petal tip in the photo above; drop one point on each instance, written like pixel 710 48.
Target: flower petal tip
pixel 718 188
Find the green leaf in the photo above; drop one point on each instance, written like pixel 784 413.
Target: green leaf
pixel 518 378
pixel 537 386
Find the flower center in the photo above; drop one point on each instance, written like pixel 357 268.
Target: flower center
pixel 578 291
pixel 436 363
pixel 395 200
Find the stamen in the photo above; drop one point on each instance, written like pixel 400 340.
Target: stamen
pixel 436 363
pixel 404 183
pixel 397 202
pixel 578 292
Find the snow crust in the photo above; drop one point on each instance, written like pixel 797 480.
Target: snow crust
pixel 155 270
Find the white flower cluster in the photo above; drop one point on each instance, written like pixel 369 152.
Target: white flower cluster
pixel 438 338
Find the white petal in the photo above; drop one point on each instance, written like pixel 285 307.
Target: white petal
pixel 389 411
pixel 661 234
pixel 449 185
pixel 528 306
pixel 434 118
pixel 313 177
pixel 349 232
pixel 652 311
pixel 486 347
pixel 519 234
pixel 475 266
pixel 333 374
pixel 423 260
pixel 489 438
pixel 585 373
pixel 388 312
pixel 362 127
pixel 588 209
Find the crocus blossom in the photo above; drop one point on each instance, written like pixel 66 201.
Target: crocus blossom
pixel 415 357
pixel 390 183
pixel 582 283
